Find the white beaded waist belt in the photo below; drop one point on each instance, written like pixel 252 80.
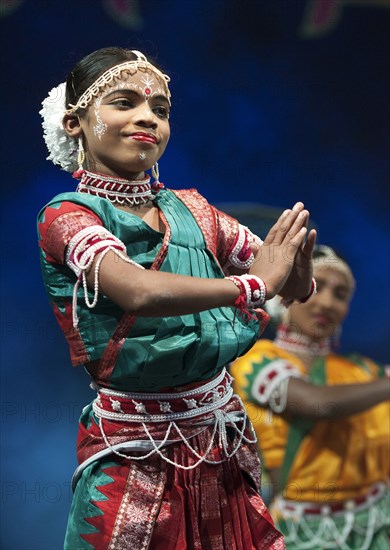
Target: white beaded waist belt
pixel 156 418
pixel 164 407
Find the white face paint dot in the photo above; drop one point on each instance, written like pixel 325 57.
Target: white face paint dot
pixel 142 155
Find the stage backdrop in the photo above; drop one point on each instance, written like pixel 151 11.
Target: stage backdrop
pixel 273 101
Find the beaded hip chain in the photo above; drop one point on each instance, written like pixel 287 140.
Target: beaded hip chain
pixel 154 421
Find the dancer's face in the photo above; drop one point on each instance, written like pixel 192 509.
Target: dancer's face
pixel 320 317
pixel 126 129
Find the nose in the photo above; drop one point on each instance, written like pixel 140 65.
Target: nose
pixel 145 117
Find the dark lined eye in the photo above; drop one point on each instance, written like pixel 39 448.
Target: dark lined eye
pixel 341 293
pixel 123 103
pixel 161 111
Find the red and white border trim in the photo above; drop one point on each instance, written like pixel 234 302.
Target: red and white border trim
pixel 271 384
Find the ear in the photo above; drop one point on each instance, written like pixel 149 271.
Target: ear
pixel 72 126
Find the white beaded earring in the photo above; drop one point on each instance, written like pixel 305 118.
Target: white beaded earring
pixel 156 185
pixel 80 158
pixel 155 172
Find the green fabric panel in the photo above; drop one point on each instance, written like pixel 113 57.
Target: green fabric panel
pixel 257 366
pixel 196 346
pixel 360 360
pixel 158 352
pixel 142 244
pixel 303 534
pixel 247 394
pixel 300 427
pixel 82 507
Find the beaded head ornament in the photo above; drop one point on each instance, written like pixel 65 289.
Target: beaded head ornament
pixel 63 149
pixel 325 258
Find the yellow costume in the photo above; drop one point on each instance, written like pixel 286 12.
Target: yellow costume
pixel 332 491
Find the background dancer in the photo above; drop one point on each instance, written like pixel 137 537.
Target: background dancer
pixel 322 421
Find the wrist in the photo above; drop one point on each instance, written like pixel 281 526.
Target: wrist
pixel 313 290
pixel 253 291
pixel 287 302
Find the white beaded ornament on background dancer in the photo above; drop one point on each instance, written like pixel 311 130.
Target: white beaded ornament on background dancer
pixel 329 260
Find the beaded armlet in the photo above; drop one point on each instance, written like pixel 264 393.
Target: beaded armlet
pixel 82 250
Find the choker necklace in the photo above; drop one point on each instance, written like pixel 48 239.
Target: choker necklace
pixel 116 190
pixel 300 344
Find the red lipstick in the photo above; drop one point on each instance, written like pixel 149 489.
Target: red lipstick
pixel 143 136
pixel 322 319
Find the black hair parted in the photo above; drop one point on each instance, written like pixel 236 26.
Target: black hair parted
pixel 90 67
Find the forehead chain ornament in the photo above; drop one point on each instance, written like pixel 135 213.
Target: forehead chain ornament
pixel 328 259
pixel 141 63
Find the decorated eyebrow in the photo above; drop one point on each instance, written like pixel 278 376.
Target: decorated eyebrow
pixel 126 91
pixel 325 282
pixel 339 288
pixel 138 93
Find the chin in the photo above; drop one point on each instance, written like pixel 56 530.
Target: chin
pixel 131 170
pixel 321 332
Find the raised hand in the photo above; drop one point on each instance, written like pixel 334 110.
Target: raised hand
pixel 298 283
pixel 275 259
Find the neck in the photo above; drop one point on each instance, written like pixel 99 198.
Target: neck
pixel 301 344
pixel 118 191
pixel 97 168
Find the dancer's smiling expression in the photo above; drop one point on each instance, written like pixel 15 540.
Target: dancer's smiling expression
pixel 126 129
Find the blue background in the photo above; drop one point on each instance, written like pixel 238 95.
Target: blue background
pixel 266 111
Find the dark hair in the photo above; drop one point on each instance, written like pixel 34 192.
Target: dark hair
pixel 319 252
pixel 91 67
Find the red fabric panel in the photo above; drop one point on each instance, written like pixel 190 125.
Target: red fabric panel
pixel 60 225
pixel 151 504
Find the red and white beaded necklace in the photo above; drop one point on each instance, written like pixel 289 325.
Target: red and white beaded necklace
pixel 299 343
pixel 116 190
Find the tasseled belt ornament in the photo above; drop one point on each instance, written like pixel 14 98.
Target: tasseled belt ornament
pixel 204 406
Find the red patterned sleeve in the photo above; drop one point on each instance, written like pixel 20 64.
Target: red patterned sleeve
pixel 59 225
pixel 227 231
pixel 234 243
pixel 225 237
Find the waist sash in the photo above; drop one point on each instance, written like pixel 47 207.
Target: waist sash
pixel 161 419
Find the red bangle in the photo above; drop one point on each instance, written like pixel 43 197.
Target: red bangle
pixel 253 291
pixel 313 290
pixel 287 302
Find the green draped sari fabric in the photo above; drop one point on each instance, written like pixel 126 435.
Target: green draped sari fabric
pixel 157 352
pixel 148 501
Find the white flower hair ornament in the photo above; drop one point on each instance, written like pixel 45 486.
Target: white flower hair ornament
pixel 62 148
